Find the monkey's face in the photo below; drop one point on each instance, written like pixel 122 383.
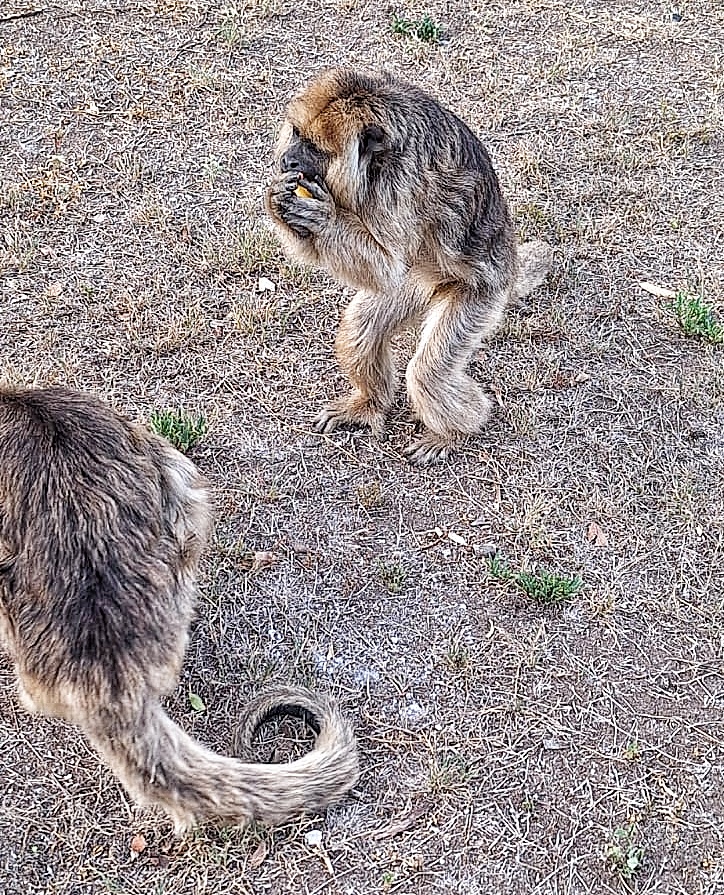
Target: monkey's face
pixel 298 154
pixel 330 138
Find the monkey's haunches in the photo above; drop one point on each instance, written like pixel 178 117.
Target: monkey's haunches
pixel 102 525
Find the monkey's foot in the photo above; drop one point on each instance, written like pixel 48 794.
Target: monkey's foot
pixel 429 448
pixel 354 410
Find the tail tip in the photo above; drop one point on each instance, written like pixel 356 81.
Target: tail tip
pixel 535 260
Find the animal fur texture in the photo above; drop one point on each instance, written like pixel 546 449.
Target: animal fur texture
pixel 101 528
pixel 399 200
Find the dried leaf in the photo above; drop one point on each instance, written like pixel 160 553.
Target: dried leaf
pixel 402 824
pixel 262 560
pixel 596 535
pixel 138 844
pixel 55 289
pixel 457 539
pixel 197 703
pixel 658 291
pixel 258 855
pixel 498 395
pixel 313 838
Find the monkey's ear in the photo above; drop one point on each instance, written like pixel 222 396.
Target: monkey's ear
pixel 372 140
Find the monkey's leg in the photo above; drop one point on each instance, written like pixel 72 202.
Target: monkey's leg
pixel 365 355
pixel 449 402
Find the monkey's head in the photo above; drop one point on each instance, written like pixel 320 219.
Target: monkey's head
pixel 335 132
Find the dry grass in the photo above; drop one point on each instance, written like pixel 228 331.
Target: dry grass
pixel 504 742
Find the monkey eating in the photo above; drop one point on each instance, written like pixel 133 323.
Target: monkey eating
pixel 102 525
pixel 404 207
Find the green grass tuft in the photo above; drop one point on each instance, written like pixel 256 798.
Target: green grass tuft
pixel 544 587
pixel 392 575
pixel 622 854
pixel 548 587
pixel 426 29
pixel 450 772
pixel 178 427
pixel 696 318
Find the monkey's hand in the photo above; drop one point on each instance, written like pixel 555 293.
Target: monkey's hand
pixel 305 206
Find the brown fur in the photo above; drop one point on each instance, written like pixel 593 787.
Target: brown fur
pixel 406 208
pixel 101 529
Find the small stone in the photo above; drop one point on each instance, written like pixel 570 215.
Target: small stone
pixel 313 838
pixel 265 285
pixel 485 550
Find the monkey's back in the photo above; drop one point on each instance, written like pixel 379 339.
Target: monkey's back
pixel 90 583
pixel 435 185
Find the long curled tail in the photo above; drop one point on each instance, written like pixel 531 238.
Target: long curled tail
pixel 320 713
pixel 535 259
pixel 160 764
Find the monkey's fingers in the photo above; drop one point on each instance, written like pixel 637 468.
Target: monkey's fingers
pixel 301 218
pixel 284 181
pixel 282 210
pixel 327 421
pixel 280 192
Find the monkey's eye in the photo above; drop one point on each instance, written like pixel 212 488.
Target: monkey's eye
pixel 295 132
pixel 372 140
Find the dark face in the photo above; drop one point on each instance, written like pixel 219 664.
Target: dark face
pixel 302 156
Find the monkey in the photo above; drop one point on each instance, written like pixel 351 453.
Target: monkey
pixel 102 525
pixel 396 198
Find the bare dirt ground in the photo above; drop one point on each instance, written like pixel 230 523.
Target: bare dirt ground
pixel 504 742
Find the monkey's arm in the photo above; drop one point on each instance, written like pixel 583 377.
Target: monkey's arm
pixel 318 231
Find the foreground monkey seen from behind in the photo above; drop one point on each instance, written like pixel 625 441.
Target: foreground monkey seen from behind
pixel 101 529
pixel 396 197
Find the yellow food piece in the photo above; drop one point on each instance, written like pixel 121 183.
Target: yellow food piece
pixel 302 192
